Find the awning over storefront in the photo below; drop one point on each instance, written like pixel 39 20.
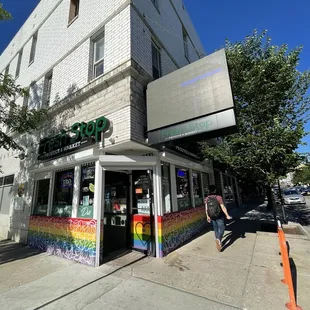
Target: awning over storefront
pixel 115 162
pixel 79 157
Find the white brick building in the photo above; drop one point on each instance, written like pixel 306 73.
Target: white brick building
pixel 85 59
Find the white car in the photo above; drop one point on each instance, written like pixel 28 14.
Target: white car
pixel 291 197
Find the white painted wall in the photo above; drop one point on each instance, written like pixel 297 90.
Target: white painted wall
pixel 67 50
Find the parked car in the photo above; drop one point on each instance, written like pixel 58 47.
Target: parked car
pixel 307 191
pixel 291 196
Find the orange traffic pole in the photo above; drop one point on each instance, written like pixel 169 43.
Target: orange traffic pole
pixel 287 270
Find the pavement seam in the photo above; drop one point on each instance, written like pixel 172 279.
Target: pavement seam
pixel 190 293
pixel 247 276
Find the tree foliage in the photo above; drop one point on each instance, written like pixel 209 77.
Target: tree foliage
pixel 4 15
pixel 302 175
pixel 271 107
pixel 14 119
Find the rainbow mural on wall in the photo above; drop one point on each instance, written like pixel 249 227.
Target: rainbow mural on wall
pixel 74 239
pixel 141 232
pixel 174 229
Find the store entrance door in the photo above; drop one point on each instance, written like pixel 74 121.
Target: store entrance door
pixel 142 212
pixel 116 231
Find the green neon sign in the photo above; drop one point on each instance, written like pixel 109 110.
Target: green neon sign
pixel 81 134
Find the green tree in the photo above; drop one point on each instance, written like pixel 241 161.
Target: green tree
pixel 15 120
pixel 302 175
pixel 272 107
pixel 4 15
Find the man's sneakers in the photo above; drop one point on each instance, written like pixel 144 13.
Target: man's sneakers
pixel 218 245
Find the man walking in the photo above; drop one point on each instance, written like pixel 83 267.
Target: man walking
pixel 216 213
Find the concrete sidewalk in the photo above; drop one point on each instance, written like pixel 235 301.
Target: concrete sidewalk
pixel 246 275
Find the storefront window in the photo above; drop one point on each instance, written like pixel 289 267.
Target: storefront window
pixel 63 193
pixel 142 195
pixel 166 188
pixel 116 185
pixel 87 191
pixel 206 183
pixel 41 203
pixel 197 189
pixel 183 189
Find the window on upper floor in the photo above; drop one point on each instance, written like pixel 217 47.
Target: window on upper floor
pixel 156 61
pixel 74 10
pixel 7 69
pixel 47 89
pixel 33 48
pixel 186 43
pixel 19 61
pixel 98 67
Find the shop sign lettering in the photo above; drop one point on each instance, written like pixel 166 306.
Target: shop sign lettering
pixel 62 211
pixel 85 211
pixel 143 206
pixel 80 135
pixel 185 129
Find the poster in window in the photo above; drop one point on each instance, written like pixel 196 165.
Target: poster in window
pixel 88 173
pixel 66 180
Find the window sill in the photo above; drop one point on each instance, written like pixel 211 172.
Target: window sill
pixel 72 21
pixel 30 63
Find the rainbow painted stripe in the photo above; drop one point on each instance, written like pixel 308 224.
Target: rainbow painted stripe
pixel 174 229
pixel 141 232
pixel 73 239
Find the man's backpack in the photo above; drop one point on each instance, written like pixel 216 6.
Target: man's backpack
pixel 214 208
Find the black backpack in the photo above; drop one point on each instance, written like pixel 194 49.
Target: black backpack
pixel 214 208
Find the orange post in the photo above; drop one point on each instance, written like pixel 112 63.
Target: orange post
pixel 287 270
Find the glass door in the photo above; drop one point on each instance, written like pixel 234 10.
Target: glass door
pixel 142 212
pixel 115 229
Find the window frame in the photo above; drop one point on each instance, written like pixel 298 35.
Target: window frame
pixel 36 196
pixel 81 196
pixel 101 60
pixel 7 70
pixel 19 62
pixel 200 185
pixel 48 83
pixel 168 165
pixel 158 51
pixel 190 189
pixel 7 177
pixel 185 43
pixel 74 11
pixel 33 48
pixel 54 191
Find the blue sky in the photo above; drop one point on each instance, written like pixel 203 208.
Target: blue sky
pixel 287 21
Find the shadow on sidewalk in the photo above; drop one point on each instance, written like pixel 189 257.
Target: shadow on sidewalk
pixel 11 251
pixel 238 228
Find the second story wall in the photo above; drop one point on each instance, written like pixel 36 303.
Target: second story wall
pixel 65 50
pixel 64 59
pixel 167 23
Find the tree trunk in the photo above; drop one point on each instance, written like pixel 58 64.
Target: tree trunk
pixel 271 206
pixel 270 198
